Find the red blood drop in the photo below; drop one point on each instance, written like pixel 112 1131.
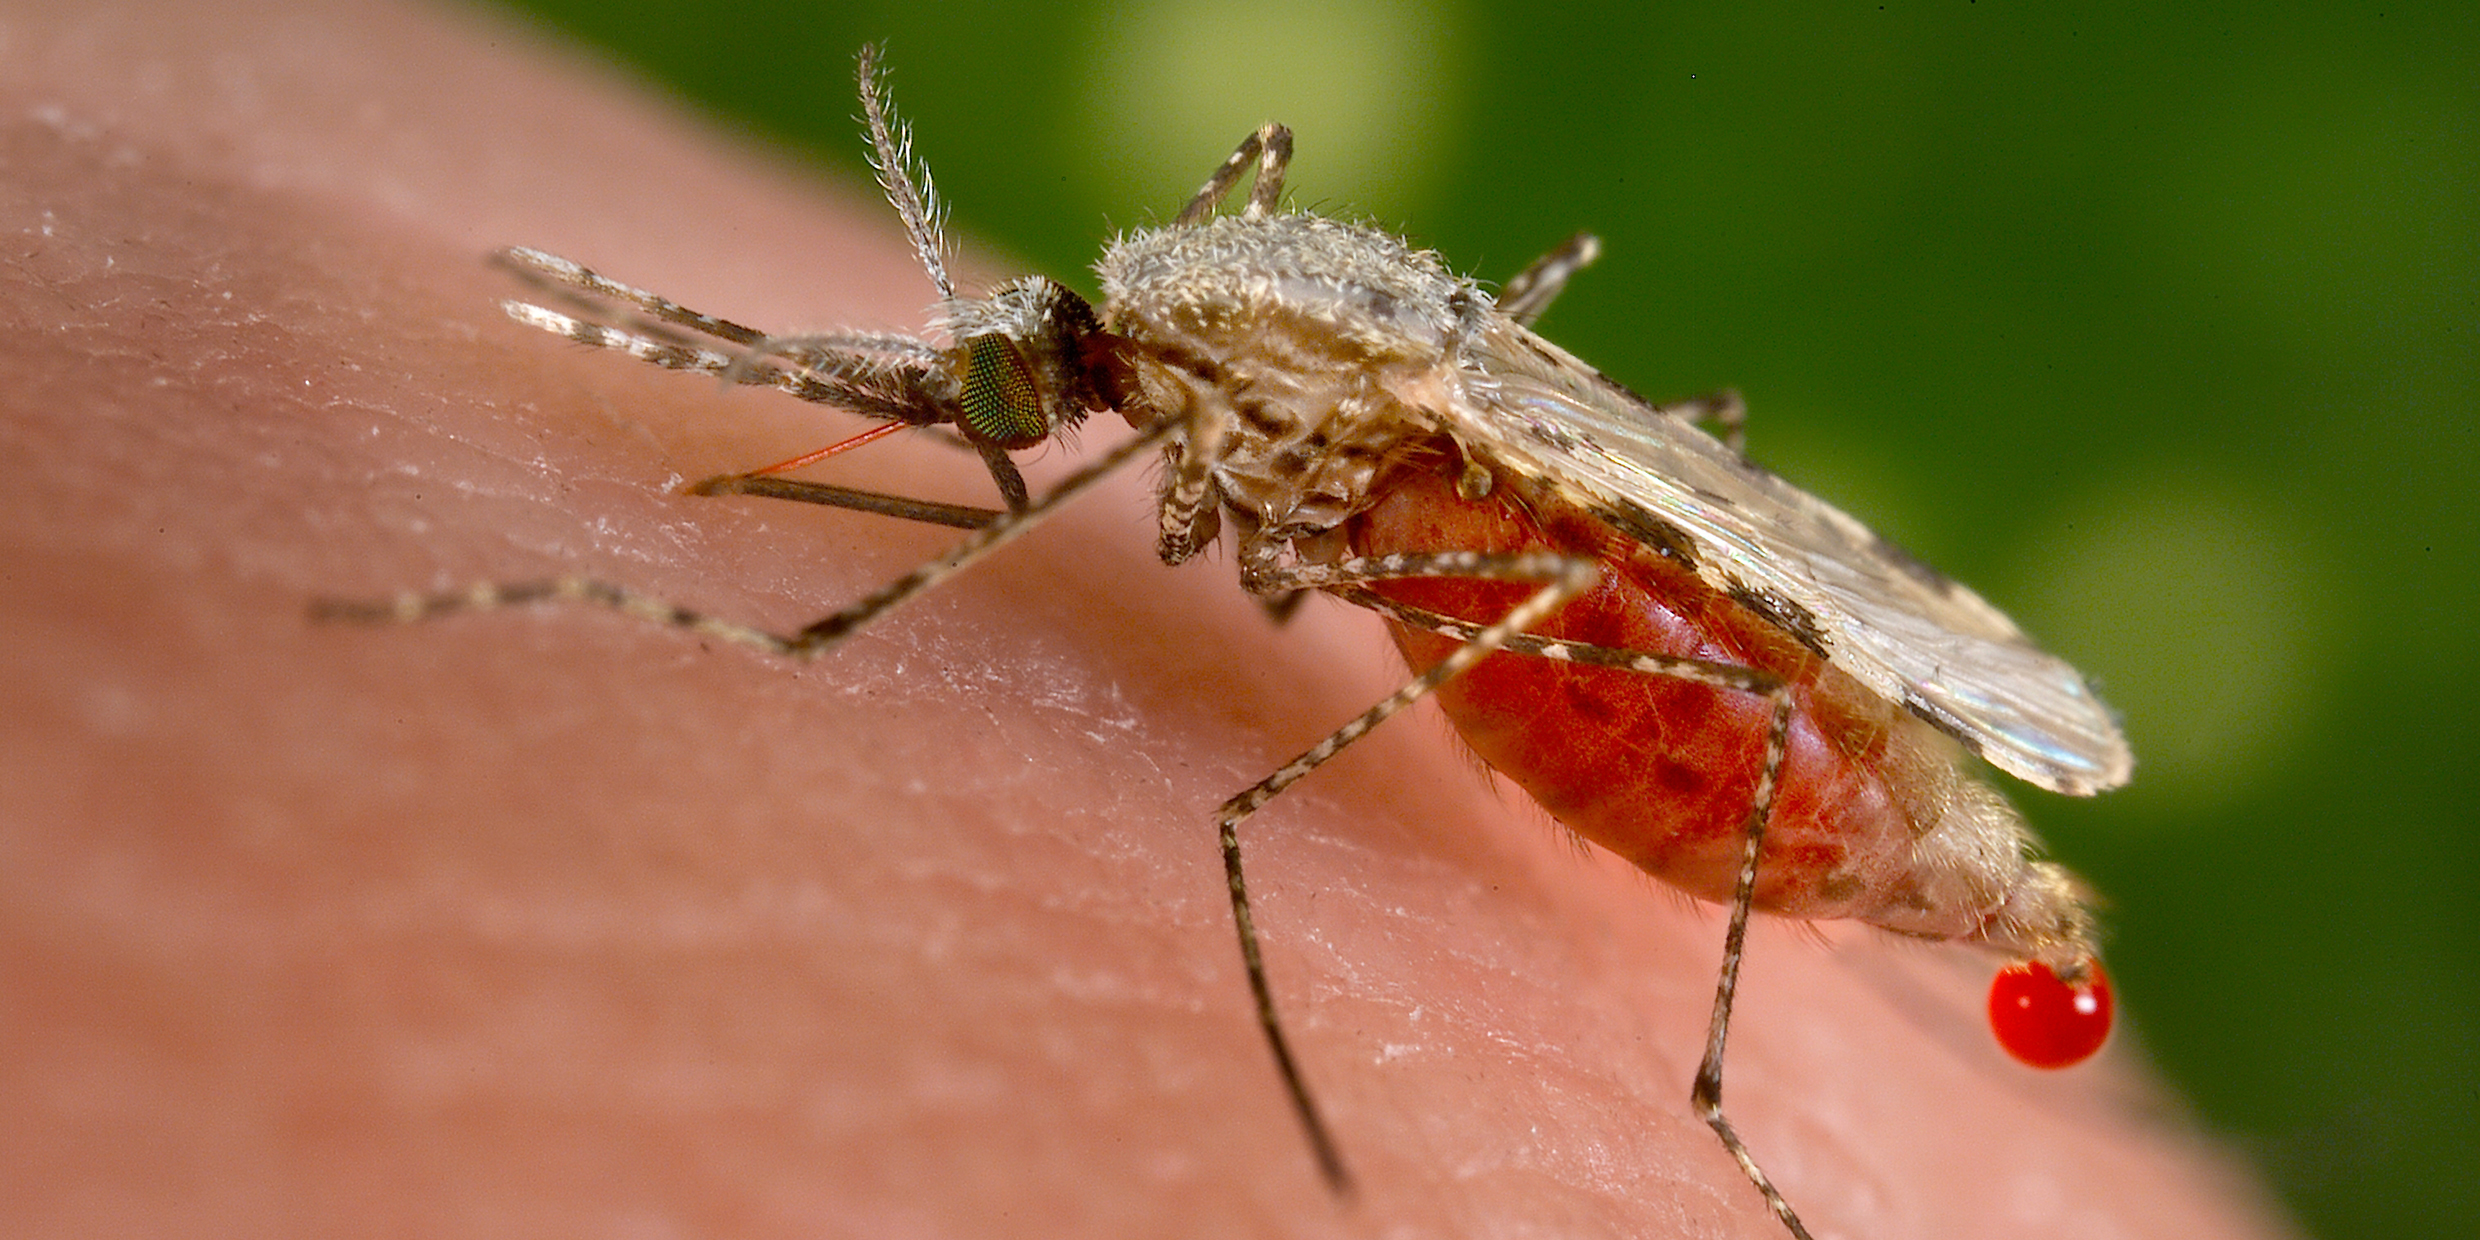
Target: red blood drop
pixel 2046 1021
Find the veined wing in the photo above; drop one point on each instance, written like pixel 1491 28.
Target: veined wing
pixel 1889 621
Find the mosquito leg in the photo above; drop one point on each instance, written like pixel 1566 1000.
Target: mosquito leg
pixel 1700 671
pixel 1189 512
pixel 769 486
pixel 823 635
pixel 1003 473
pixel 1271 149
pixel 416 608
pixel 1706 1095
pixel 1723 410
pixel 1533 289
pixel 808 642
pixel 1564 578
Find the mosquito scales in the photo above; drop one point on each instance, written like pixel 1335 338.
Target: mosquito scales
pixel 1686 660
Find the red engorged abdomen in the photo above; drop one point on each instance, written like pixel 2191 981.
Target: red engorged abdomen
pixel 1662 771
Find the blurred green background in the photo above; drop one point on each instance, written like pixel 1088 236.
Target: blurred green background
pixel 2160 324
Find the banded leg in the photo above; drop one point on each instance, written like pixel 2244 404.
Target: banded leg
pixel 1271 149
pixel 1724 410
pixel 808 642
pixel 1558 650
pixel 1531 291
pixel 1190 513
pixel 1706 1094
pixel 1563 578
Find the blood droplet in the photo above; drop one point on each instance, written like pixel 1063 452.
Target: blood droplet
pixel 2045 1020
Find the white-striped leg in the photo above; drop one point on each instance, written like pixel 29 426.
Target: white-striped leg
pixel 1723 410
pixel 1563 578
pixel 494 596
pixel 823 635
pixel 1270 148
pixel 1706 1094
pixel 1700 671
pixel 1189 511
pixel 807 642
pixel 1524 297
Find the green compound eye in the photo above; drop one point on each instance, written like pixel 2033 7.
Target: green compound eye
pixel 1002 405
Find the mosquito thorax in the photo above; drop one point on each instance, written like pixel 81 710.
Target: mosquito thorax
pixel 1363 283
pixel 1306 345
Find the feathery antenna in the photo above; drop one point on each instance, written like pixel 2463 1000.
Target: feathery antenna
pixel 906 181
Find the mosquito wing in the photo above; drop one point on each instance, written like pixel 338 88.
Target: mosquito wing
pixel 1888 620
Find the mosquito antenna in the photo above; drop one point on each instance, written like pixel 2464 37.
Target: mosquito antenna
pixel 906 181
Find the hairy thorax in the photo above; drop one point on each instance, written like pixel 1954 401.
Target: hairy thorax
pixel 1295 339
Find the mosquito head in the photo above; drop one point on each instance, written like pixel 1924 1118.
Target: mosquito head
pixel 1031 360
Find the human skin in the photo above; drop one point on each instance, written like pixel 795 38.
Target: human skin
pixel 556 923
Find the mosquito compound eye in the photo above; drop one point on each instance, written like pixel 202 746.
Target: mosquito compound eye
pixel 2046 1021
pixel 1002 404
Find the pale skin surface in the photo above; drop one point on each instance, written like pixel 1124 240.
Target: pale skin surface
pixel 552 923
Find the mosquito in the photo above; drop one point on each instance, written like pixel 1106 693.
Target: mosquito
pixel 1685 659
